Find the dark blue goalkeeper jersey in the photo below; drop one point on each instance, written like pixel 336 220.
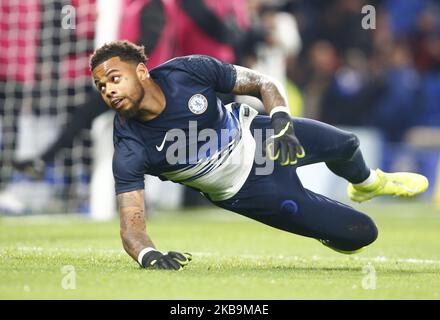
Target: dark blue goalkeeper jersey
pixel 190 85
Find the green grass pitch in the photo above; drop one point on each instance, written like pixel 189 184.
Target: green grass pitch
pixel 233 258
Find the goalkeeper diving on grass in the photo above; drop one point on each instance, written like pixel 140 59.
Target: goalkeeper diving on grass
pixel 177 100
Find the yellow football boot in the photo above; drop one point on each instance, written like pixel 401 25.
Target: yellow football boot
pixel 398 184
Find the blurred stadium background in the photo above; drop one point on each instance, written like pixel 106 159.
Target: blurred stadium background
pixel 55 137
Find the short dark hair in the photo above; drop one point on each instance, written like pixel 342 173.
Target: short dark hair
pixel 125 50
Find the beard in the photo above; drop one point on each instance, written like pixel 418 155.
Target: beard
pixel 135 108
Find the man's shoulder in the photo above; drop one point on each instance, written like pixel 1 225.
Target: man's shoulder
pixel 119 123
pixel 127 141
pixel 184 63
pixel 123 129
pixel 170 64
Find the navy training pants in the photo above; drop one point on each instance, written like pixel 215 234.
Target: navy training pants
pixel 279 199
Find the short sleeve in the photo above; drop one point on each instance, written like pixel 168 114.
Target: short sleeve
pixel 128 166
pixel 219 75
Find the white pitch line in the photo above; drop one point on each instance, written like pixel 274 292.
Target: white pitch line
pixel 378 259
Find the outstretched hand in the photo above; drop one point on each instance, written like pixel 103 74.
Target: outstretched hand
pixel 169 261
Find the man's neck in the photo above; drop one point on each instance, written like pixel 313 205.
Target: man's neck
pixel 154 101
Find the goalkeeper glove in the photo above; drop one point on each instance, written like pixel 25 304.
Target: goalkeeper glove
pixel 172 260
pixel 284 144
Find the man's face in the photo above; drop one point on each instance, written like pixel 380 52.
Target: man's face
pixel 119 83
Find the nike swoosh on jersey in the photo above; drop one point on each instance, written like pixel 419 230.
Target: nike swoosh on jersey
pixel 159 148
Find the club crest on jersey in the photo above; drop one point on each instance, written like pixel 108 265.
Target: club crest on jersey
pixel 198 103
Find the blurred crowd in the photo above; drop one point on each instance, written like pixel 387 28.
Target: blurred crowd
pixel 387 77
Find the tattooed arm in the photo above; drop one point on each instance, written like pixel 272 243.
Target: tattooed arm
pixel 132 223
pixel 268 89
pixel 135 239
pixel 283 145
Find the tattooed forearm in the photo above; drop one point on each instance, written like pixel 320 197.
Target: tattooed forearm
pixel 132 222
pixel 252 83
